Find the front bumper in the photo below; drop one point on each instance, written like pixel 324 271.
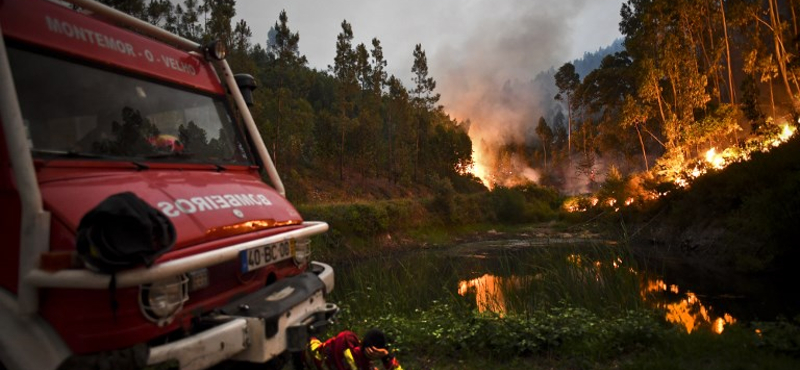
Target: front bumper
pixel 260 326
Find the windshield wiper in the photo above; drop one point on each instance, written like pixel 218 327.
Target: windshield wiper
pixel 169 155
pixel 74 154
pixel 217 167
pixel 67 153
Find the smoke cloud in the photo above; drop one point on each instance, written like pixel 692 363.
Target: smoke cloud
pixel 487 76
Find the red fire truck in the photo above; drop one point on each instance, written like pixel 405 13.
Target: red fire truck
pixel 96 103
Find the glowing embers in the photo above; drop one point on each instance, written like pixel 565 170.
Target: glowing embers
pixel 689 311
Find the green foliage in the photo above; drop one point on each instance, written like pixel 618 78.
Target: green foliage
pixel 524 203
pixel 508 205
pixel 446 330
pixel 715 126
pixel 738 347
pixel 361 221
pixel 557 317
pixel 443 202
pixel 607 328
pixel 358 219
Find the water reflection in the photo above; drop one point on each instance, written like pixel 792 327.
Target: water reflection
pixel 688 312
pixel 488 292
pixel 511 277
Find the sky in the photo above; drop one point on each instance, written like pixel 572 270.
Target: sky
pixel 507 38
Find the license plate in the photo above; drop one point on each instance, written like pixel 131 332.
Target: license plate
pixel 263 255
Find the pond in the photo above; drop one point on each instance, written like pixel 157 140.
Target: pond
pixel 519 276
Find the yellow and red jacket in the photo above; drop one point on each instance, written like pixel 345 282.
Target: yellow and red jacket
pixel 343 352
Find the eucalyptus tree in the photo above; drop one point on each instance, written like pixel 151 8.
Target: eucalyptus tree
pixel 607 92
pixel 663 52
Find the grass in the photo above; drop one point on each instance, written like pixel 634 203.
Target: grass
pixel 565 308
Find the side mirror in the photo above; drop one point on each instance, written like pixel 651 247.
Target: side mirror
pixel 246 85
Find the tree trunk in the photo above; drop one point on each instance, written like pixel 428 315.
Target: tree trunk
pixel 641 142
pixel 569 127
pixel 772 98
pixel 779 51
pixel 341 155
pixel 727 53
pixel 545 155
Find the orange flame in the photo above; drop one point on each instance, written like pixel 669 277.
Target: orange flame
pixel 479 166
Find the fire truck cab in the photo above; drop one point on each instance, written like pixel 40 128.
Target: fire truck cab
pixel 96 103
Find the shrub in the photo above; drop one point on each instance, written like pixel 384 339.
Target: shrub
pixel 508 205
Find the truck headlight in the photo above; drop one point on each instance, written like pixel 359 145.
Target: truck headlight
pixel 161 300
pixel 215 50
pixel 302 251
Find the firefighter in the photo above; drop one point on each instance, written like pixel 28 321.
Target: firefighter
pixel 346 352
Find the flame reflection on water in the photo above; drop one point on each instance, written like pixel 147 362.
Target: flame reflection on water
pixel 689 312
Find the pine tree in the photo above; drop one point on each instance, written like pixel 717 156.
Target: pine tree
pixel 567 81
pixel 344 69
pixel 219 25
pixel 424 97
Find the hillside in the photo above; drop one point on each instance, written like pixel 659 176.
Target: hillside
pixel 743 218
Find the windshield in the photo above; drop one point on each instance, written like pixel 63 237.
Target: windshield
pixel 72 110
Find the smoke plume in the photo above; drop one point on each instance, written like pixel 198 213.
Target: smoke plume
pixel 488 79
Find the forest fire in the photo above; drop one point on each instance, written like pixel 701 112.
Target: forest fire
pixel 479 167
pixel 711 159
pixel 505 171
pixel 719 160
